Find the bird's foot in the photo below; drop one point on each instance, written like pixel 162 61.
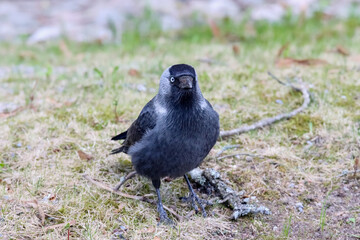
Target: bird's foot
pixel 164 219
pixel 193 199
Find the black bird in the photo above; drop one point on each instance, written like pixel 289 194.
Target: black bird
pixel 173 133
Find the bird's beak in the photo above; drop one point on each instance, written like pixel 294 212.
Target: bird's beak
pixel 185 82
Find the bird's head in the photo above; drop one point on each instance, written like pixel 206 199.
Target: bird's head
pixel 179 81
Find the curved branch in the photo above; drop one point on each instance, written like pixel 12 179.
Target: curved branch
pixel 125 195
pixel 268 121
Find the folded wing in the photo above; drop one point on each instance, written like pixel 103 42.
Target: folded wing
pixel 145 122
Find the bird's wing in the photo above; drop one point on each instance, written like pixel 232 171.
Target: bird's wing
pixel 145 121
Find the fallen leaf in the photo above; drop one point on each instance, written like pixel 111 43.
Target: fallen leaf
pixel 341 50
pixel 84 156
pixel 236 50
pixel 134 73
pixel 286 62
pixel 214 29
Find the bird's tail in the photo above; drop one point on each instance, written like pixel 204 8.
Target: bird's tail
pixel 120 136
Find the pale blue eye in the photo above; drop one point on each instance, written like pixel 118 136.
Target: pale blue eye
pixel 172 79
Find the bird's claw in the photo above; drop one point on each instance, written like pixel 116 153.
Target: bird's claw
pixel 193 199
pixel 164 219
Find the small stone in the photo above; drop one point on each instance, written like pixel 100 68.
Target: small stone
pixel 246 200
pixel 18 144
pixel 141 88
pixel 346 189
pixel 278 101
pixel 300 207
pixel 249 159
pixel 291 185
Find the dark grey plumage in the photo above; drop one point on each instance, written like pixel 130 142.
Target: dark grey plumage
pixel 173 133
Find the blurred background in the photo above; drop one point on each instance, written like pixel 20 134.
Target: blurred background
pixel 105 21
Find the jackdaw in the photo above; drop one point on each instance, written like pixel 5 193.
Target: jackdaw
pixel 173 133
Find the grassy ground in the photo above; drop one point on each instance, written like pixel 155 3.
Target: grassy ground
pixel 70 93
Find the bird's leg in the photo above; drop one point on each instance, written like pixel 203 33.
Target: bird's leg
pixel 162 214
pixel 194 198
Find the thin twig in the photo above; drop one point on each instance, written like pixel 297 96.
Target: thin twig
pixel 268 121
pixel 226 148
pixel 129 176
pixel 139 198
pixel 236 154
pixel 12 113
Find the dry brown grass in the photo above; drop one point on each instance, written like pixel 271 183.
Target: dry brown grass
pixel 297 160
